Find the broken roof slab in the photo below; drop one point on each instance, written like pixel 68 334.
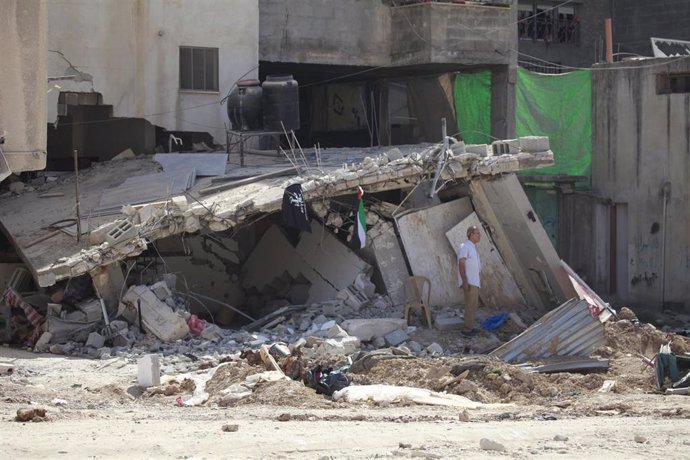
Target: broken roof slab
pixel 26 219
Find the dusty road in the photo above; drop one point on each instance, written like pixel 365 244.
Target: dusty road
pixel 95 410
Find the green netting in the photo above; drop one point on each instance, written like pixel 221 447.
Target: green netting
pixel 473 106
pixel 560 107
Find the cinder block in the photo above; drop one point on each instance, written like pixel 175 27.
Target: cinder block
pixel 479 149
pixel 534 144
pixel 124 230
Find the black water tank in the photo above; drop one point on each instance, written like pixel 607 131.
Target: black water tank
pixel 244 106
pixel 280 103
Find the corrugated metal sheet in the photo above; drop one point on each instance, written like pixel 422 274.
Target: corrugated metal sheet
pixel 569 330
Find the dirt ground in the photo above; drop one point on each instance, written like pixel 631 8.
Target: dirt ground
pixel 95 409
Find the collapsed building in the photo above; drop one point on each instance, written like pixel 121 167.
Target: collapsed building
pixel 219 264
pixel 226 241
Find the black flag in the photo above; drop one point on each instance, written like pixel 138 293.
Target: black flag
pixel 295 209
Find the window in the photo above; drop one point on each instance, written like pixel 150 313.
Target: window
pixel 668 83
pixel 198 68
pixel 547 22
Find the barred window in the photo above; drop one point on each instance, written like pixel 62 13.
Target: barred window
pixel 547 22
pixel 198 68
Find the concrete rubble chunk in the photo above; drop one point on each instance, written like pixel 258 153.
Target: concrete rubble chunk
pixel 126 154
pixel 353 297
pixel 338 346
pixel 415 347
pixel 149 371
pixel 489 444
pixel 434 349
pixel 95 340
pixel 396 337
pixel 16 187
pixel 368 329
pixel 161 290
pixel 364 285
pixel 43 342
pixel 320 320
pixel 336 331
pixel 157 316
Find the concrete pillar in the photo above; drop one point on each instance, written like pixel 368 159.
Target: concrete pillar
pixel 503 80
pixel 384 115
pixel 521 239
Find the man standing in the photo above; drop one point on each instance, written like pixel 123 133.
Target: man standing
pixel 470 266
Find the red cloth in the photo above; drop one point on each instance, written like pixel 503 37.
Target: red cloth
pixel 196 325
pixel 14 300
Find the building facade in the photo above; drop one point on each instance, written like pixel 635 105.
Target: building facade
pixel 23 81
pixel 380 72
pixel 640 168
pixel 167 61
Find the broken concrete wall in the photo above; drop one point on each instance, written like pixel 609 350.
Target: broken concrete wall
pixel 520 238
pixel 330 258
pixel 205 264
pixel 423 233
pixel 271 258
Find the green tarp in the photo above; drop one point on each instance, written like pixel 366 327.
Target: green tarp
pixel 473 106
pixel 560 107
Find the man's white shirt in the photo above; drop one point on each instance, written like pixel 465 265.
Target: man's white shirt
pixel 473 265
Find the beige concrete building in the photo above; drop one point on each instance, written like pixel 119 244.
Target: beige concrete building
pixel 23 85
pixel 168 61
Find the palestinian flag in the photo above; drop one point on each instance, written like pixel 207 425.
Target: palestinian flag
pixel 360 234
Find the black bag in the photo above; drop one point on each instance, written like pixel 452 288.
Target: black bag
pixel 326 381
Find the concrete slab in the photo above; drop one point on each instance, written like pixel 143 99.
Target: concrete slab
pixel 522 241
pixel 205 164
pixel 371 328
pixel 147 188
pixel 390 261
pixel 499 289
pixel 423 233
pixel 330 258
pixel 60 256
pixel 273 256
